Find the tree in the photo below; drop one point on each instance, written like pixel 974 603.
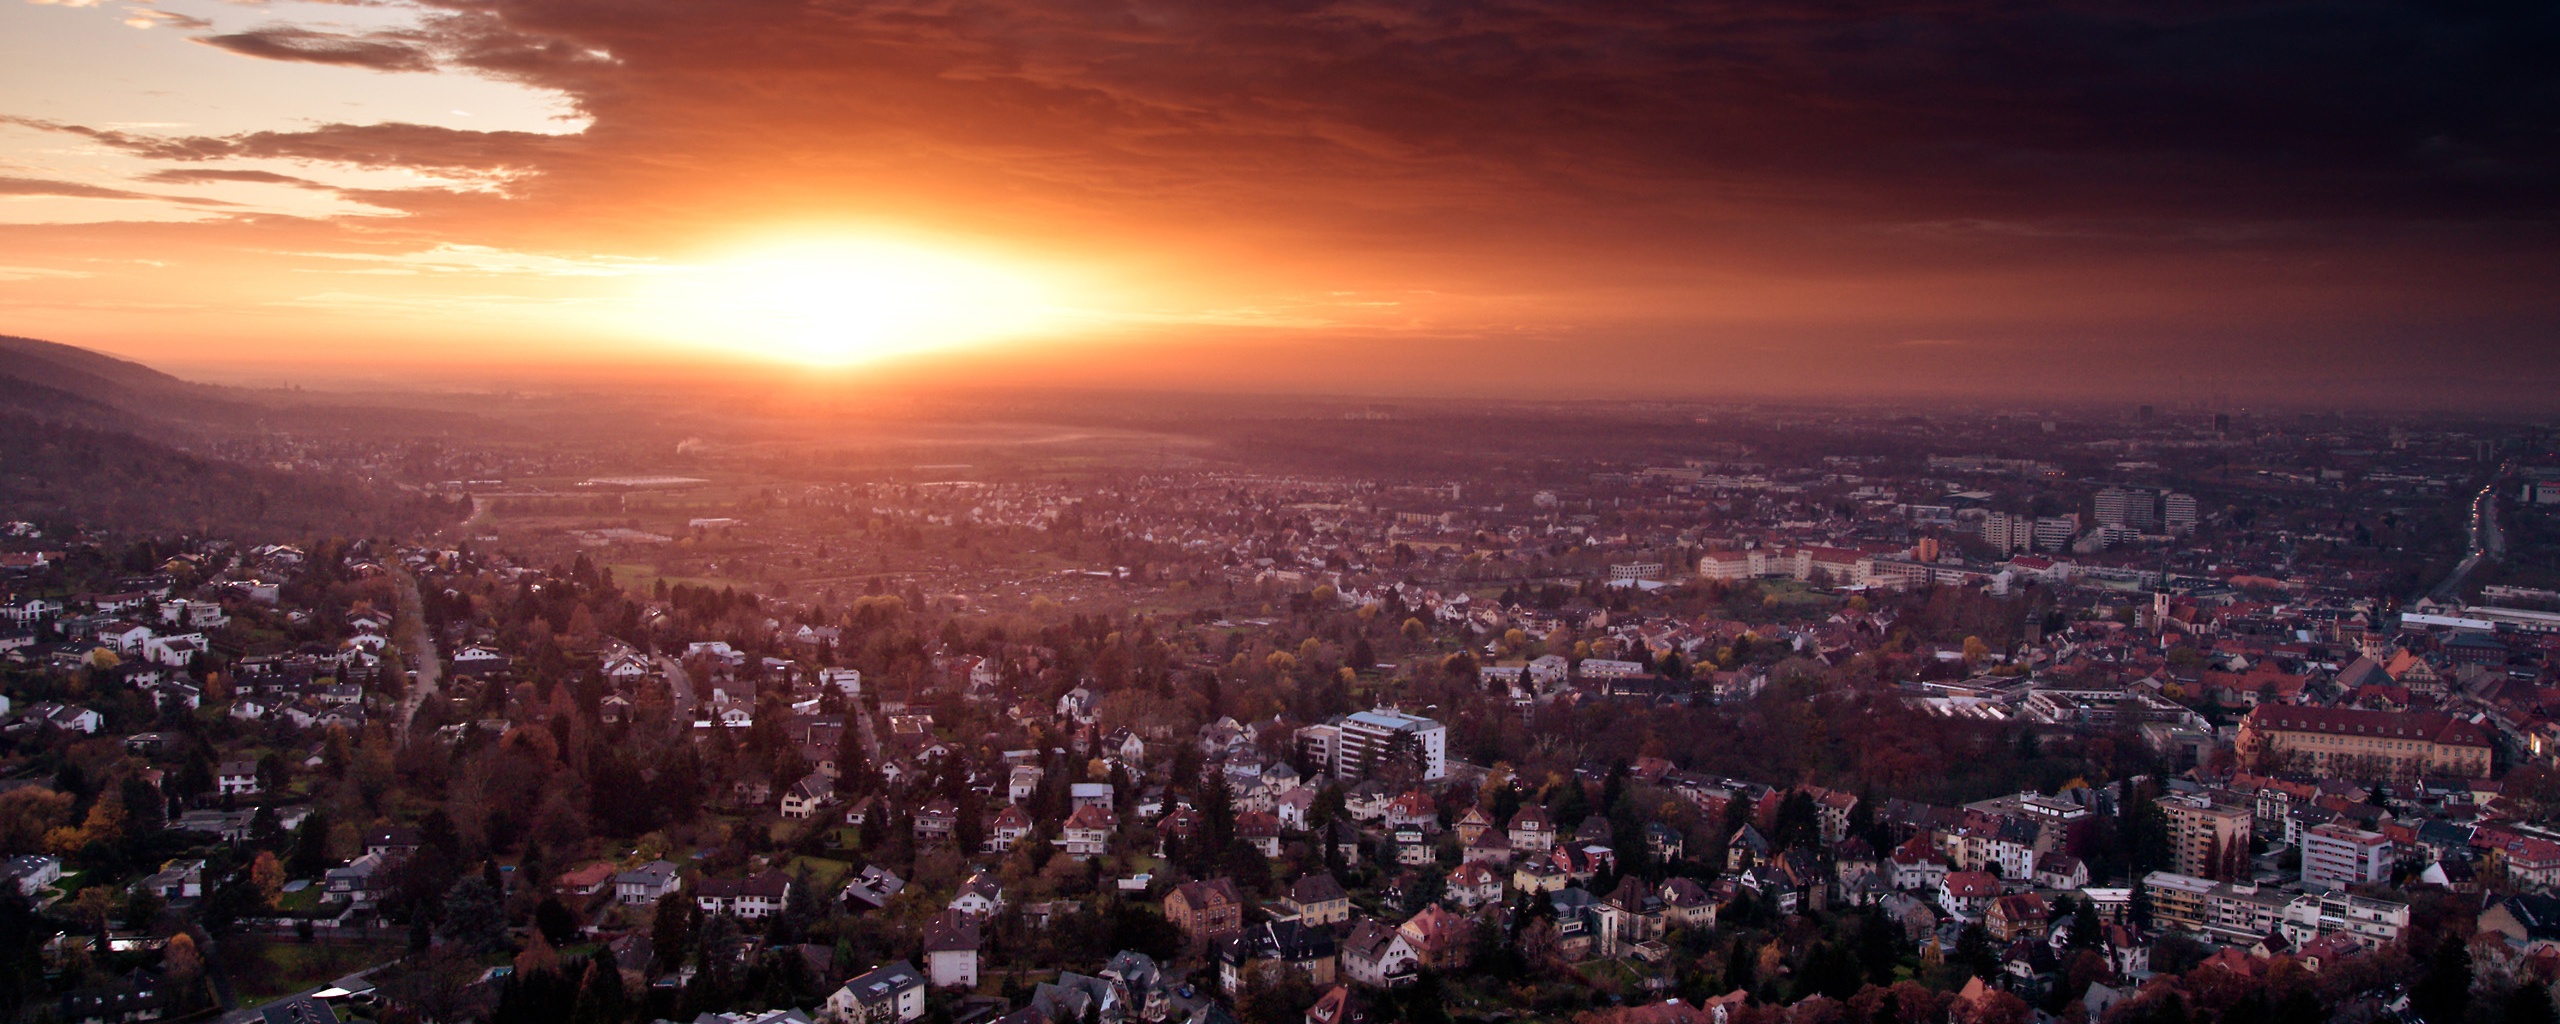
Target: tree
pixel 552 918
pixel 180 959
pixel 672 929
pixel 2529 1003
pixel 2443 994
pixel 1275 995
pixel 472 917
pixel 266 874
pixel 311 845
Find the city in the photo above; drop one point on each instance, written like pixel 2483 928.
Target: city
pixel 1751 714
pixel 1319 512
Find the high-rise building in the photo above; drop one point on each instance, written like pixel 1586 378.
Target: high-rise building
pixel 2335 856
pixel 2008 532
pixel 2128 507
pixel 2178 513
pixel 2054 533
pixel 1368 734
pixel 2208 840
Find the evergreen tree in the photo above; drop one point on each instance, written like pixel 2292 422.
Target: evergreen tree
pixel 2443 994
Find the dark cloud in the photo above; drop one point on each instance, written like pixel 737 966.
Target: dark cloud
pixel 80 190
pixel 368 146
pixel 276 42
pixel 2097 170
pixel 198 175
pixel 1894 112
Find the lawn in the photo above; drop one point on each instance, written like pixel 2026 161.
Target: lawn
pixel 265 969
pixel 301 902
pixel 824 874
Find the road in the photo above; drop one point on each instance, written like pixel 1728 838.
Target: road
pixel 2488 542
pixel 680 689
pixel 870 736
pixel 427 671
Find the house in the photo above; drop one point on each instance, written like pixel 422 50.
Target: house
pixel 1006 828
pixel 1379 957
pixel 395 841
pixel 1081 795
pixel 1318 900
pixel 981 896
pixel 1530 831
pixel 1687 904
pixel 32 872
pixel 644 884
pixel 1023 782
pixel 1292 808
pixel 584 881
pixel 890 994
pixel 2061 871
pixel 1630 916
pixel 951 950
pixel 807 795
pixel 176 880
pixel 1206 911
pixel 237 778
pixel 1276 945
pixel 67 717
pixel 1087 833
pixel 361 883
pixel 873 887
pixel 1412 845
pixel 1440 937
pixel 1966 894
pixel 745 898
pixel 2020 916
pixel 936 822
pixel 1338 1005
pixel 1262 829
pixel 1474 885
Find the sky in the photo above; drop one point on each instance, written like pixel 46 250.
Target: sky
pixel 2320 201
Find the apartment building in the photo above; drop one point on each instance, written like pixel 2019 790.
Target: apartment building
pixel 2350 743
pixel 2208 839
pixel 1365 735
pixel 2335 856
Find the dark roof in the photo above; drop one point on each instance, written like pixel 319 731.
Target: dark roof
pixel 299 1010
pixel 1320 887
pixel 950 931
pixel 2540 915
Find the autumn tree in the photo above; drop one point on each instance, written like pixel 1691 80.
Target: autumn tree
pixel 267 875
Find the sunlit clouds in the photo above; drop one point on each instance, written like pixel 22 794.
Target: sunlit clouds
pixel 1515 196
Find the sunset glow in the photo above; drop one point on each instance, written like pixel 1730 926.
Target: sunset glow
pixel 1943 199
pixel 846 303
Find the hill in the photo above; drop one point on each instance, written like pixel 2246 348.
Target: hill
pixel 90 440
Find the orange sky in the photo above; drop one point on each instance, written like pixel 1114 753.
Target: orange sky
pixel 1518 198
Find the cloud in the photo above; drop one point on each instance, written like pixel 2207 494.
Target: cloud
pixel 83 190
pixel 481 259
pixel 2100 170
pixel 197 175
pixel 146 17
pixel 380 52
pixel 390 145
pixel 8 273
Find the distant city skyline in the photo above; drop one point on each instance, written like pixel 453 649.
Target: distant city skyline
pixel 2287 205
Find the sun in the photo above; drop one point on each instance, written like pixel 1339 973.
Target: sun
pixel 842 303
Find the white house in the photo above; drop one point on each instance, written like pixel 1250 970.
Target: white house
pixel 890 994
